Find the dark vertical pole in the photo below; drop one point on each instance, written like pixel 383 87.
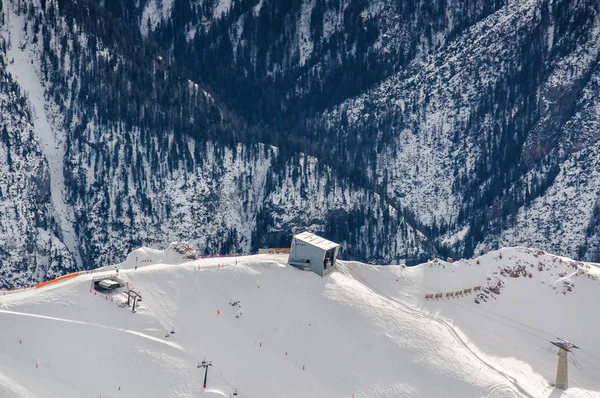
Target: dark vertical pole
pixel 205 364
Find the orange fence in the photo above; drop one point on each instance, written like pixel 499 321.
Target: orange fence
pixel 60 278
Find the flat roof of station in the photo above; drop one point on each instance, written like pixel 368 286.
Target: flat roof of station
pixel 316 240
pixel 108 284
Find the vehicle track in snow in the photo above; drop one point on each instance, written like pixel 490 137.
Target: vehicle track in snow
pixel 495 388
pixel 346 269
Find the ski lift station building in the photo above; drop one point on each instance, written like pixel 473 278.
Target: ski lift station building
pixel 106 285
pixel 310 252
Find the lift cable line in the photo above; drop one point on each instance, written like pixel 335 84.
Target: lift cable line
pixel 487 310
pixel 476 309
pixel 579 358
pixel 574 359
pixel 499 321
pixel 585 353
pixel 533 331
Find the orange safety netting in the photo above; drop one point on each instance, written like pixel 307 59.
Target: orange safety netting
pixel 60 278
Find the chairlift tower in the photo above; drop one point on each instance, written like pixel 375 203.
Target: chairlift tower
pixel 205 364
pixel 562 374
pixel 133 296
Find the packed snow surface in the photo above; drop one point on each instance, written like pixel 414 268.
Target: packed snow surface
pixel 271 330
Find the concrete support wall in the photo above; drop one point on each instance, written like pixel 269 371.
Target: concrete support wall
pixel 562 377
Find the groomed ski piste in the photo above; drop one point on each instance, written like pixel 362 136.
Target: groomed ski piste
pixel 361 331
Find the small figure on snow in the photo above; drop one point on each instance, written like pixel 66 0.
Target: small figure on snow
pixel 172 330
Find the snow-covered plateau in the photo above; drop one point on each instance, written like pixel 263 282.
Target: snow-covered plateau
pixel 272 330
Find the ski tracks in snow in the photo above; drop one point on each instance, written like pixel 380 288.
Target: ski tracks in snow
pixel 512 382
pixel 491 393
pixel 133 332
pixel 11 389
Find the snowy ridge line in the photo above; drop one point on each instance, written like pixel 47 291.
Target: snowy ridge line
pixel 16 289
pixel 97 270
pixel 459 340
pixel 104 269
pixel 220 266
pixel 219 255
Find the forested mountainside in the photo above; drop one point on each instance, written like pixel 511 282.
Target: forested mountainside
pixel 479 119
pixel 115 147
pixel 29 239
pixel 491 141
pixel 403 129
pixel 279 62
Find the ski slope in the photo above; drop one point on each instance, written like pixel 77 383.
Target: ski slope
pixel 362 331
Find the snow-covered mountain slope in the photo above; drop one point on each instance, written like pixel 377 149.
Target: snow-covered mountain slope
pixel 271 330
